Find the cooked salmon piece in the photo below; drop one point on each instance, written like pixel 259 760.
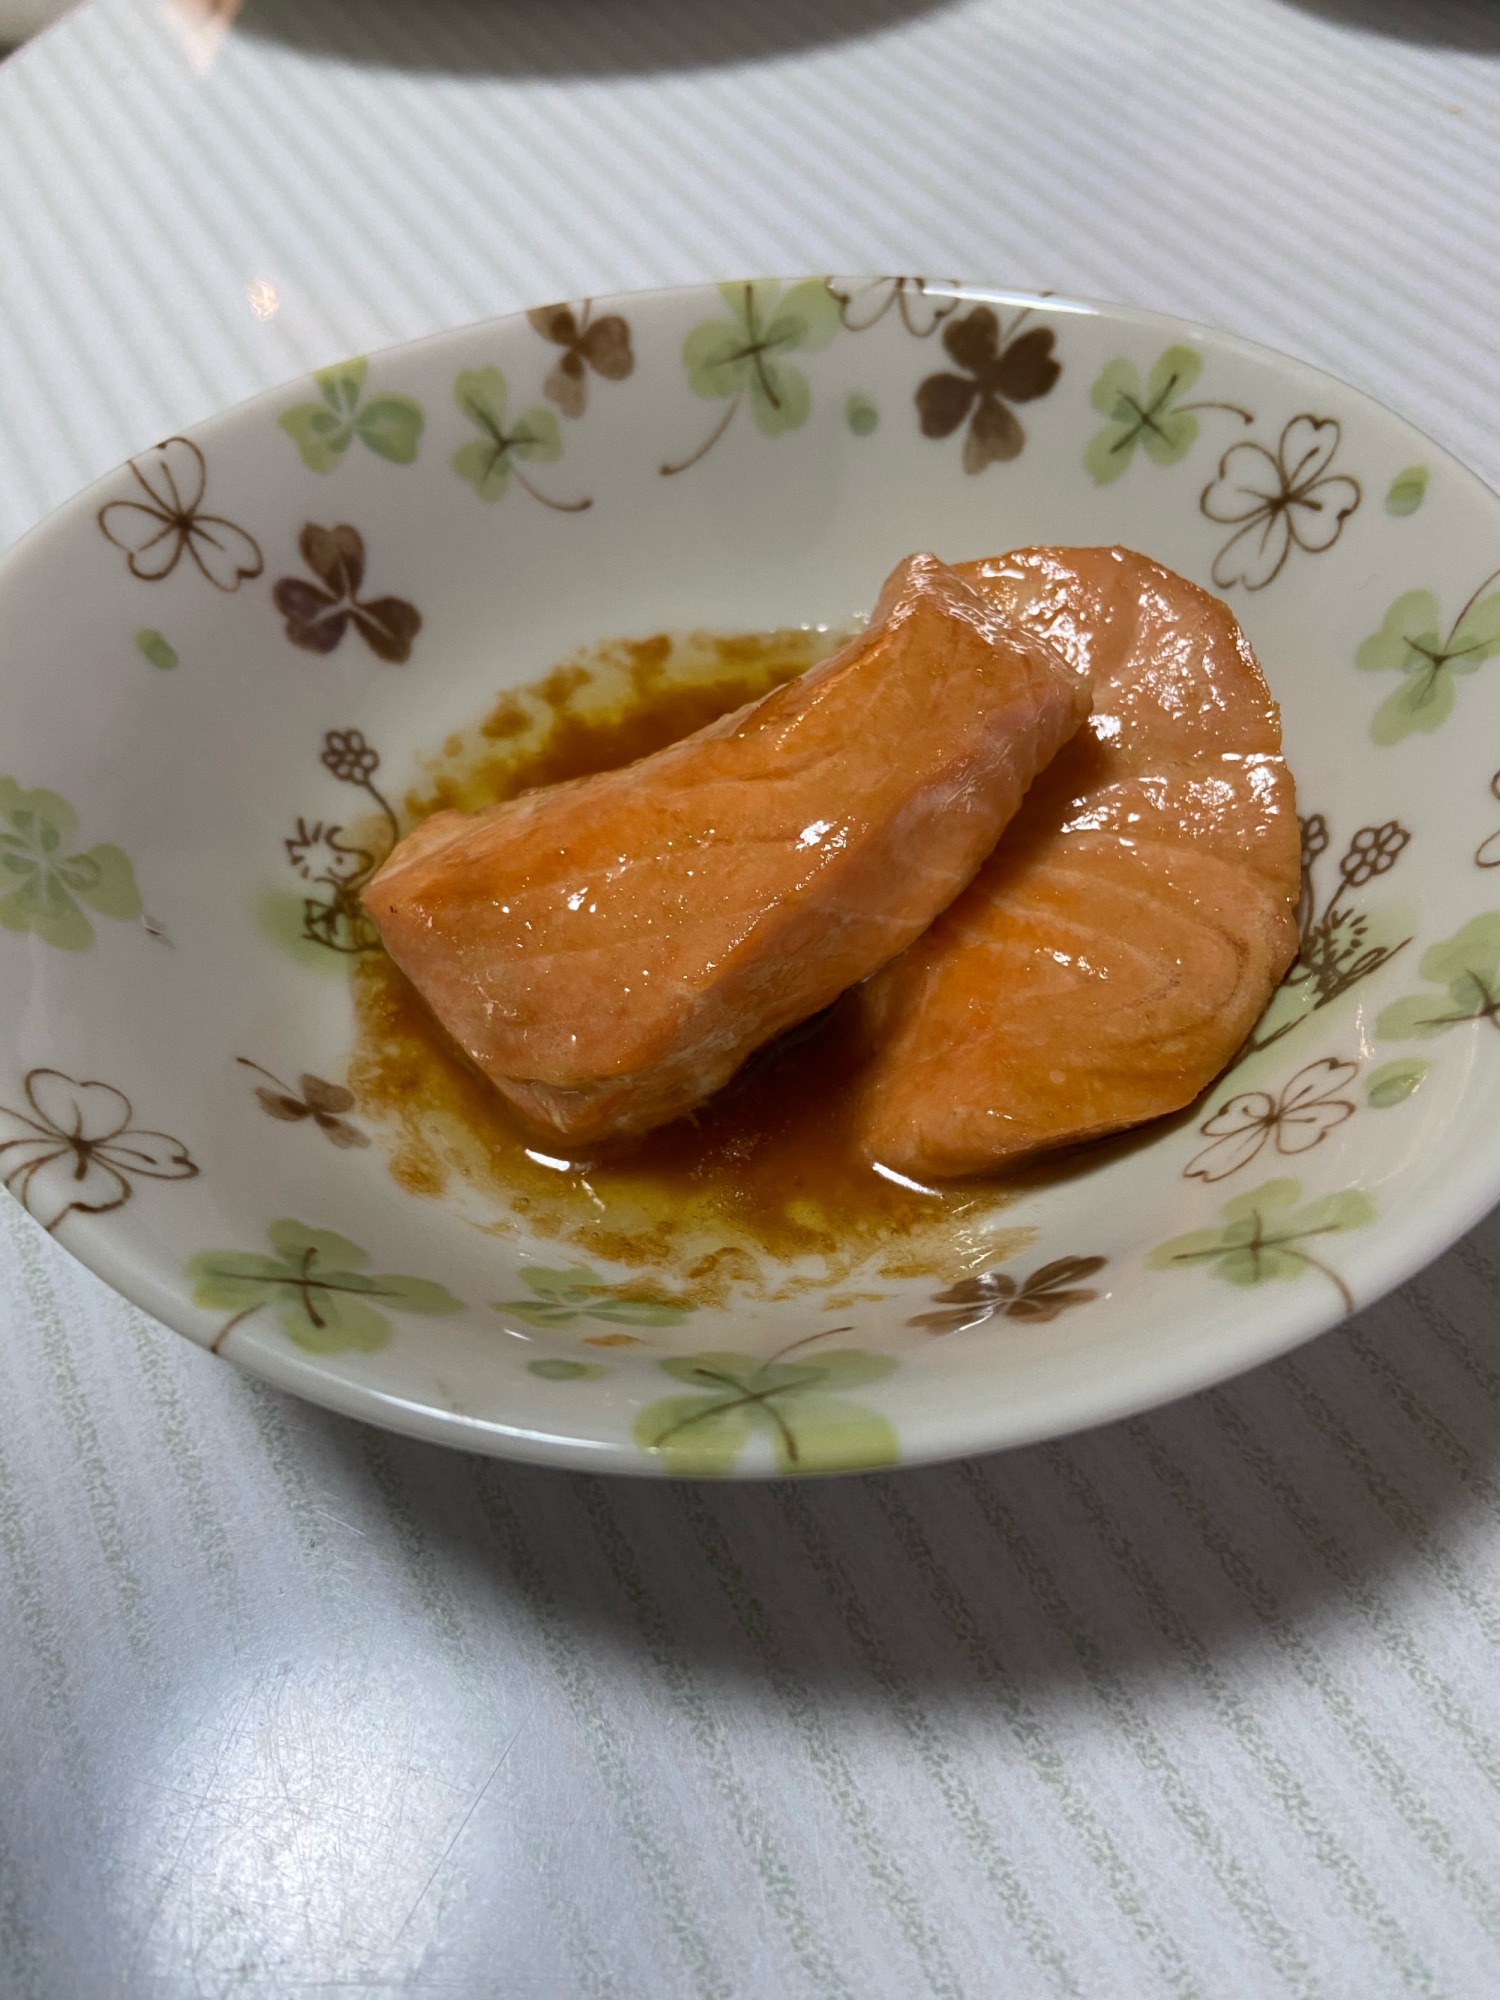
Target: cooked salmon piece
pixel 609 950
pixel 1117 948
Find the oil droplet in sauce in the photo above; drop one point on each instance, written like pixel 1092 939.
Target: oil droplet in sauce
pixel 761 1191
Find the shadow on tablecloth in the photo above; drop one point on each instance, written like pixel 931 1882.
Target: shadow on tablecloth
pixel 1473 25
pixel 1301 1491
pixel 564 38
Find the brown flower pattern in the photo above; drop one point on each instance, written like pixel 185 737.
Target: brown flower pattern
pixel 77 1149
pixel 1278 500
pixel 315 1098
pixel 1335 952
pixel 1051 1289
pixel 1300 1116
pixel 1000 366
pixel 865 304
pixel 321 856
pixel 168 523
pixel 1487 854
pixel 600 344
pixel 318 614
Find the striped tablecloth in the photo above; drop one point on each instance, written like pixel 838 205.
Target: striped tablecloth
pixel 1200 1705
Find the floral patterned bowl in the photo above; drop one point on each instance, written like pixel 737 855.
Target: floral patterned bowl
pixel 222 664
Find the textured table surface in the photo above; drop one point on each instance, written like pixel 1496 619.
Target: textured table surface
pixel 1200 1705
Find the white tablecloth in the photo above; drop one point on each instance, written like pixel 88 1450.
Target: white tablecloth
pixel 1200 1705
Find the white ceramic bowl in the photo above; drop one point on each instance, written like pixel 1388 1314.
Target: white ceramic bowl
pixel 196 678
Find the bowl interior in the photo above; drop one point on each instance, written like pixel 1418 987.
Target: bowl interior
pixel 250 637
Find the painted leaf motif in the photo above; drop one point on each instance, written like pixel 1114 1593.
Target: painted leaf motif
pixel 391 425
pixel 322 1297
pixel 994 436
pixel 638 1312
pixel 798 1405
pixel 850 1368
pixel 103 878
pixel 1423 701
pixel 780 402
pixel 556 1369
pixel 1411 624
pixel 714 355
pixel 1476 636
pixel 606 347
pixel 42 879
pixel 741 355
pixel 943 401
pixel 151 646
pixel 486 462
pixel 1027 368
pixel 806 319
pixel 1407 490
pixel 337 555
pixel 1116 391
pixel 50 1180
pixel 320 435
pixel 829 1434
pixel 1395 1081
pixel 343 384
pixel 278 1105
pixel 1410 642
pixel 1053 1288
pixel 41 817
pixel 1267 1237
pixel 324 1096
pixel 1330 1214
pixel 537 436
pixel 697 1437
pixel 1268 1199
pixel 388 626
pixel 485 466
pixel 1472 954
pixel 1176 371
pixel 1420 1016
pixel 564 1295
pixel 42 905
pixel 1468 965
pixel 75 1148
pixel 482 395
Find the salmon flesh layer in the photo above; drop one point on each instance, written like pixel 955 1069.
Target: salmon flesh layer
pixel 1117 948
pixel 609 950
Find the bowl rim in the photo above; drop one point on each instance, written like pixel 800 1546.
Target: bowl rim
pixel 1274 1324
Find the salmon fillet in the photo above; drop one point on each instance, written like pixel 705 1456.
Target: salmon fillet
pixel 608 951
pixel 1116 949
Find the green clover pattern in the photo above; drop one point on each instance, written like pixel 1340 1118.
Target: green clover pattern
pixel 318 1288
pixel 1410 642
pixel 801 1405
pixel 1407 490
pixel 1145 416
pixel 744 356
pixel 1395 1081
pixel 487 462
pixel 47 877
pixel 1266 1235
pixel 389 424
pixel 1468 966
pixel 151 646
pixel 566 1296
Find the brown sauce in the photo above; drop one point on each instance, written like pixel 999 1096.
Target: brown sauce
pixel 768 1168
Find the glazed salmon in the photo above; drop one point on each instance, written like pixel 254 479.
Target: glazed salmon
pixel 609 951
pixel 1125 936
